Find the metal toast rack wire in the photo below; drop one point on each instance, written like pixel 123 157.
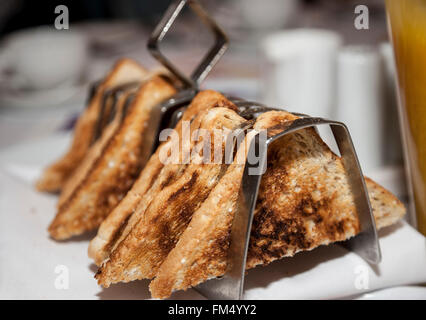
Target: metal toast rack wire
pixel 231 285
pixel 160 117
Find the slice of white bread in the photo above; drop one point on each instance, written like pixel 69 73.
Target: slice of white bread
pixel 95 151
pixel 112 171
pixel 55 175
pixel 117 225
pixel 150 239
pixel 304 201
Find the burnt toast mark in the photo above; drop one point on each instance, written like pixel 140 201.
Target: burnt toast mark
pixel 117 234
pixel 167 181
pixel 185 187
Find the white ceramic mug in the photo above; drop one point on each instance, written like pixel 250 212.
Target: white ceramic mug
pixel 267 14
pixel 42 58
pixel 300 70
pixel 360 102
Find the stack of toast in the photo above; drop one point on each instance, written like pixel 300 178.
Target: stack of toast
pixel 94 175
pixel 170 221
pixel 55 176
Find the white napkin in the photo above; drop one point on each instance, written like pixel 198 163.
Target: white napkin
pixel 333 272
pixel 33 266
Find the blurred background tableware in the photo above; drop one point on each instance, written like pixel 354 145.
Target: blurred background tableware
pixel 41 67
pixel 42 58
pixel 393 147
pixel 300 70
pixel 366 103
pixel 360 105
pixel 267 14
pixel 283 53
pixel 407 25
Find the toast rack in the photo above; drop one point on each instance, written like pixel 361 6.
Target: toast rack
pixel 166 114
pixel 109 104
pixel 161 116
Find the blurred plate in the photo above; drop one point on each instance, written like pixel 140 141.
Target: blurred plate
pixel 43 98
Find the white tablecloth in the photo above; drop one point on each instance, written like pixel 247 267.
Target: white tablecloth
pixel 32 266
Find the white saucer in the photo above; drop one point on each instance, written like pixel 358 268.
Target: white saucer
pixel 43 98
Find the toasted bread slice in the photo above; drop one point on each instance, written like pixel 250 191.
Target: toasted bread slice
pixel 54 176
pixel 117 225
pixel 147 244
pixel 304 201
pixel 112 174
pixel 97 149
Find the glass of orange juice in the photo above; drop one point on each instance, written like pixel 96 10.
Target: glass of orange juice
pixel 407 26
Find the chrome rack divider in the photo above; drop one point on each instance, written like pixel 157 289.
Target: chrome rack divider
pixel 365 244
pixel 231 285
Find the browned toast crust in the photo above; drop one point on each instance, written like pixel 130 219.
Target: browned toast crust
pixel 55 175
pixel 93 154
pixel 117 225
pixel 304 201
pixel 140 253
pixel 114 171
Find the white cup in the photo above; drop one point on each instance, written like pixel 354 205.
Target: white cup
pixel 267 14
pixel 42 58
pixel 299 74
pixel 360 102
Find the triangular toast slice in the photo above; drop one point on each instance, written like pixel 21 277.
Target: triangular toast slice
pixel 55 175
pixel 304 201
pixel 141 251
pixel 149 183
pixel 98 147
pixel 113 172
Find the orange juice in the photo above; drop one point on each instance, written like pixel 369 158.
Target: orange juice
pixel 407 22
